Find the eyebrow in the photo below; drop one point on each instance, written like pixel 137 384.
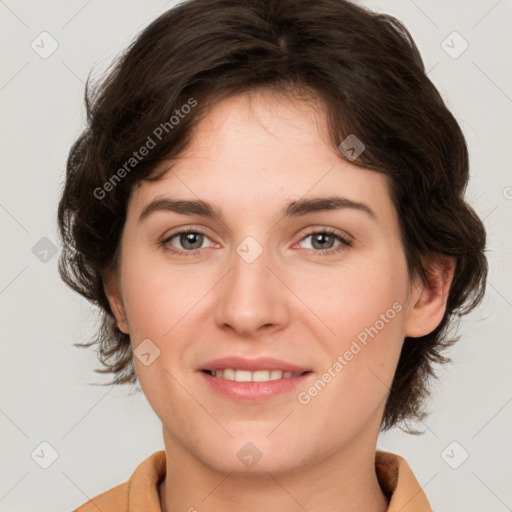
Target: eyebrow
pixel 293 209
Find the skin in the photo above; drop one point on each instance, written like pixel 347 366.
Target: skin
pixel 251 155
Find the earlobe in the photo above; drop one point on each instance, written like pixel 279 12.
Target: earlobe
pixel 111 286
pixel 427 303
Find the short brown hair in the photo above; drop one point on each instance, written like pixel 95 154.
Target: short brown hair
pixel 366 70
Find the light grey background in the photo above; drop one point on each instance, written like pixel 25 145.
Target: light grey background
pixel 101 434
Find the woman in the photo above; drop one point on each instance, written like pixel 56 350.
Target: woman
pixel 267 205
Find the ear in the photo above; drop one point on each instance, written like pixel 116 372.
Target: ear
pixel 427 303
pixel 111 286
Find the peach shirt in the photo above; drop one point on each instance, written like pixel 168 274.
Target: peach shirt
pixel 140 492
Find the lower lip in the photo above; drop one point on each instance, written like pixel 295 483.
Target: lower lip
pixel 253 391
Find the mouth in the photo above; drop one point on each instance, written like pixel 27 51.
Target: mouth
pixel 238 375
pixel 252 380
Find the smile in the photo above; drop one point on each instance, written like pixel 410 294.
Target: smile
pixel 256 376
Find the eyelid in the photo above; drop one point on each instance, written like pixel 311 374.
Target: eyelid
pixel 165 241
pixel 326 229
pixel 184 229
pixel 345 240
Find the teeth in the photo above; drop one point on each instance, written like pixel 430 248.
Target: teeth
pixel 243 376
pixel 275 375
pixel 230 374
pixel 257 376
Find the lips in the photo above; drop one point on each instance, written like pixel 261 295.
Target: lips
pixel 247 376
pixel 252 380
pixel 253 365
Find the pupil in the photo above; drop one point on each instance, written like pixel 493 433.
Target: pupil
pixel 319 238
pixel 189 239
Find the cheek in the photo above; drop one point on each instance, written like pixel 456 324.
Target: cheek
pixel 363 308
pixel 368 290
pixel 158 295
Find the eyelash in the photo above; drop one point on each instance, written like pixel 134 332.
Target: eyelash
pixel 345 243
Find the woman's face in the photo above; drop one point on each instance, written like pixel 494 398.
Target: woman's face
pixel 264 288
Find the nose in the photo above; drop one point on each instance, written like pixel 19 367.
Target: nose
pixel 253 298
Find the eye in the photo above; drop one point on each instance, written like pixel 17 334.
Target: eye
pixel 322 241
pixel 191 240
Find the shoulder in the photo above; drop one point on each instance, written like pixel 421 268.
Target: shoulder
pixel 114 500
pixel 141 489
pixel 399 484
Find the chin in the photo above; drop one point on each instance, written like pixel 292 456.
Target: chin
pixel 255 469
pixel 254 456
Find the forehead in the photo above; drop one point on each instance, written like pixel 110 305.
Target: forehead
pixel 255 151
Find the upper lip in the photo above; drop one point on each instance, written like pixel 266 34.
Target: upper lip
pixel 261 363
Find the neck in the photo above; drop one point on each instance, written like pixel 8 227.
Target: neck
pixel 343 482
